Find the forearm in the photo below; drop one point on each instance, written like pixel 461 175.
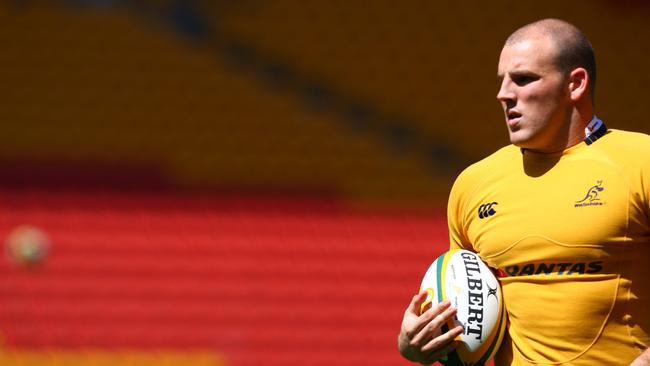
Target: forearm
pixel 643 359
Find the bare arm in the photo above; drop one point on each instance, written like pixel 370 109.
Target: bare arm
pixel 421 339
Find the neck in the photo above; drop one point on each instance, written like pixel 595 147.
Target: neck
pixel 579 117
pixel 576 133
pixel 572 134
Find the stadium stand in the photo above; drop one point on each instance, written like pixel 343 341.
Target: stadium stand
pixel 238 183
pixel 265 280
pixel 180 111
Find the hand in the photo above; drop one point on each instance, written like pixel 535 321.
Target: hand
pixel 421 338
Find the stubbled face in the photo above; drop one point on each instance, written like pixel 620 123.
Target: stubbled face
pixel 534 95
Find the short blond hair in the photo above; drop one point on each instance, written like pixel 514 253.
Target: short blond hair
pixel 573 48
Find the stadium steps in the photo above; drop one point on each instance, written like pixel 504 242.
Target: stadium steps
pixel 121 357
pixel 257 280
pixel 131 92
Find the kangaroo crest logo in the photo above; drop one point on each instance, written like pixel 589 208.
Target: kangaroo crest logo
pixel 592 198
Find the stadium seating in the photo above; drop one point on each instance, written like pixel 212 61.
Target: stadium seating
pixel 243 183
pixel 274 280
pixel 134 93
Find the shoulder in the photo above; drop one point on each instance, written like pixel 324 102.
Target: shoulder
pixel 471 182
pixel 631 148
pixel 627 140
pixel 499 161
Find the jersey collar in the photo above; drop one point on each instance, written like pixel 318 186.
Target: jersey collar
pixel 594 130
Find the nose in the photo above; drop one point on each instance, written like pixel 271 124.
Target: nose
pixel 506 94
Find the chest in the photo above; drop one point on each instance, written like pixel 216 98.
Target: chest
pixel 571 217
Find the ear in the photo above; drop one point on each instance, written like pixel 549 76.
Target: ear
pixel 578 81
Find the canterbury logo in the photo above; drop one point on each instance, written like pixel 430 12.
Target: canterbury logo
pixel 486 210
pixel 592 198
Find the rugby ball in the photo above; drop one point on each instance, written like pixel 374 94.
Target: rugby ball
pixel 461 277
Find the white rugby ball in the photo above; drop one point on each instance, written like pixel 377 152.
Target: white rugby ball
pixel 461 277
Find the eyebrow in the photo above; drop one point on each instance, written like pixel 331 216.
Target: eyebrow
pixel 522 72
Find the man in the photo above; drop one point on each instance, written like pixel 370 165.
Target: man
pixel 570 229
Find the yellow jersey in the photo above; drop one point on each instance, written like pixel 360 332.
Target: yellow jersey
pixel 570 234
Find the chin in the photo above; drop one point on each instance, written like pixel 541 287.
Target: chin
pixel 519 140
pixel 523 143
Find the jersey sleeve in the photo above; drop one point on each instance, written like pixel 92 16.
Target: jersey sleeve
pixel 645 179
pixel 637 154
pixel 456 213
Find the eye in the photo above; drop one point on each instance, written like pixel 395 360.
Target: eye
pixel 524 79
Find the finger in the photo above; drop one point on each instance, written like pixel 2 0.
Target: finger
pixel 443 352
pixel 443 339
pixel 443 317
pixel 432 328
pixel 423 320
pixel 436 309
pixel 416 302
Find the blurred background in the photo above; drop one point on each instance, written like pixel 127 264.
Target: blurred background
pixel 250 182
